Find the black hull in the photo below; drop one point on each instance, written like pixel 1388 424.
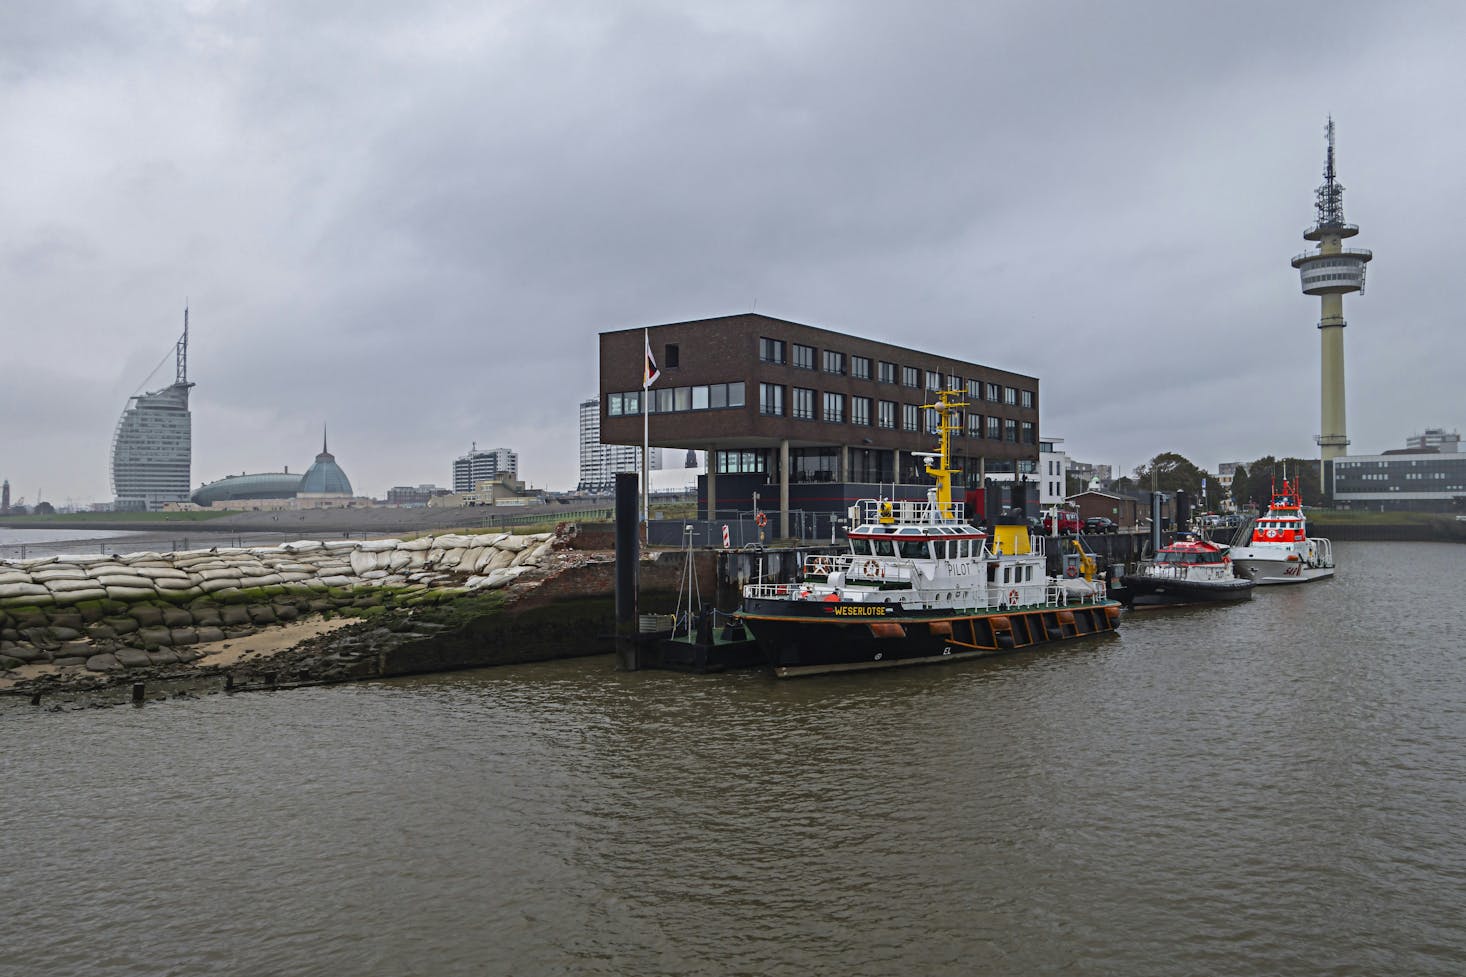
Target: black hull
pixel 1147 590
pixel 804 638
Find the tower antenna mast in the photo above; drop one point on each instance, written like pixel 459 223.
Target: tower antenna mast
pixel 181 351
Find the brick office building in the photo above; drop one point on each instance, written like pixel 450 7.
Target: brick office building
pixel 812 417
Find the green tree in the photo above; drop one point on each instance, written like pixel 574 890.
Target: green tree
pixel 44 509
pixel 1267 473
pixel 1170 472
pixel 1241 492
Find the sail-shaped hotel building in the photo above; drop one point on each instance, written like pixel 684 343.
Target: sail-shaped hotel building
pixel 152 449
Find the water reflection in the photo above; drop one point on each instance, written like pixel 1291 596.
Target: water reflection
pixel 1270 787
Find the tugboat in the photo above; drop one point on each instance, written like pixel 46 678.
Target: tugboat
pixel 920 584
pixel 1191 570
pixel 1278 547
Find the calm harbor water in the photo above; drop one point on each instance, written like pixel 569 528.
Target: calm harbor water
pixel 1271 788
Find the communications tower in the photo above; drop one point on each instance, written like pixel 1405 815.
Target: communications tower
pixel 1330 272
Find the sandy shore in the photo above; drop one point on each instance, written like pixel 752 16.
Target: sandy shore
pixel 263 644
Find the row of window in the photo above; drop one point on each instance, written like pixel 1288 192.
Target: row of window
pixel 806 404
pixel 777 351
pixel 670 400
pixel 864 465
pixel 1385 476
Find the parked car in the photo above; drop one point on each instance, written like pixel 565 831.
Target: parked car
pixel 1100 524
pixel 1068 524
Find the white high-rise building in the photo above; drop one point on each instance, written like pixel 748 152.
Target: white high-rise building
pixel 599 463
pixel 483 466
pixel 152 448
pixel 1053 472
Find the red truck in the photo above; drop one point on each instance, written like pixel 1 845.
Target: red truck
pixel 1069 523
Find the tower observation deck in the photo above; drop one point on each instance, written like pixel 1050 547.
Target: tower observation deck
pixel 1330 272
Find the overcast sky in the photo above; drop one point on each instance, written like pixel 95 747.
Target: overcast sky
pixel 410 221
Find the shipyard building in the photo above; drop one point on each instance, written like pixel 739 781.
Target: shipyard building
pixel 806 417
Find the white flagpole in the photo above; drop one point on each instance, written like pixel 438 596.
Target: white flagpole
pixel 646 344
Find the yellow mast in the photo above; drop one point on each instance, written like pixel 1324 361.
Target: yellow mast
pixel 946 409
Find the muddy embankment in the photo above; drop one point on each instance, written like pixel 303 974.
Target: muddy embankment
pixel 352 612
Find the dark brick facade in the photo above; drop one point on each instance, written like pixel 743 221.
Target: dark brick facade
pixel 727 349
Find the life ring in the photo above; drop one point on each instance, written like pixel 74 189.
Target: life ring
pixel 873 568
pixel 1071 571
pixel 1013 597
pixel 760 520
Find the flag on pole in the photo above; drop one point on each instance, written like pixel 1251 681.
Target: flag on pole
pixel 650 371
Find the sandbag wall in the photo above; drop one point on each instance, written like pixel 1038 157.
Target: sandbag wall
pixel 63 608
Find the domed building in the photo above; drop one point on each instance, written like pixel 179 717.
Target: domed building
pixel 323 484
pixel 236 488
pixel 324 479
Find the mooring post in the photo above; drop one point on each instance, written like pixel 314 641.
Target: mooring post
pixel 1155 523
pixel 137 693
pixel 628 559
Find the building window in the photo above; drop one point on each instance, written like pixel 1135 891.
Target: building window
pixel 771 399
pixel 860 367
pixel 995 392
pixel 932 420
pixel 974 390
pixel 886 414
pixel 974 425
pixel 909 417
pixel 802 356
pixel 834 362
pixel 886 372
pixel 1027 397
pixel 725 395
pixel 1028 433
pixel 1010 430
pixel 835 408
pixel 803 406
pixel 954 382
pixel 995 428
pixel 740 462
pixel 910 376
pixel 771 350
pixel 623 403
pixel 1010 395
pixel 933 380
pixel 670 356
pixel 860 410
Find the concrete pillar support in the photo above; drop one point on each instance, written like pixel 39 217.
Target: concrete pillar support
pixel 784 488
